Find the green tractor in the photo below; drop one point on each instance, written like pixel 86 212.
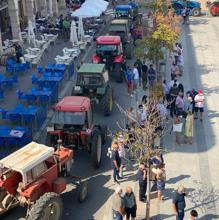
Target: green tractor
pixel 120 27
pixel 93 82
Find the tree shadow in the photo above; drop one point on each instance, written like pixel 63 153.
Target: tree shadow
pixel 174 180
pixel 209 217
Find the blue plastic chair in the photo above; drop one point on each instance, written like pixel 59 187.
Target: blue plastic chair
pixel 31 99
pixel 15 118
pixel 20 95
pixel 1 94
pixel 40 69
pixel 4 114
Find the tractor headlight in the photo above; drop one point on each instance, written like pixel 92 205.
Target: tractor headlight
pixel 104 60
pixel 77 88
pixel 50 128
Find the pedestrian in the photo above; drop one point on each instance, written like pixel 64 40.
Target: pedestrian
pixel 128 77
pixel 151 76
pixel 61 25
pixel 174 91
pixel 116 161
pixel 179 202
pixel 180 64
pixel 192 93
pixel 66 28
pixel 139 67
pixel 144 75
pixel 18 51
pixel 174 71
pixel 141 115
pixel 161 178
pixel 131 118
pixel 193 215
pixel 173 81
pixel 188 104
pixel 135 78
pixel 176 52
pixel 199 104
pixel 130 204
pixel 142 181
pixel 185 15
pixel 179 103
pixel 122 154
pixel 189 127
pixel 177 128
pixel 118 207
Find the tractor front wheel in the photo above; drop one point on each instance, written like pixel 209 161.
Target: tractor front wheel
pixel 48 206
pixel 108 102
pixel 96 148
pixel 118 73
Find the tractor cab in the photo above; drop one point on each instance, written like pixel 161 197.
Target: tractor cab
pixel 124 12
pixel 71 114
pixel 93 82
pixel 108 48
pixel 120 27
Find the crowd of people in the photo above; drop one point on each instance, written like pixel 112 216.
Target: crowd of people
pixel 181 108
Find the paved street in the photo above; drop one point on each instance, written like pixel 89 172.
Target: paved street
pixel 185 164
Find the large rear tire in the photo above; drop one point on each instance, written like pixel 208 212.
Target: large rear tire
pixel 48 206
pixel 118 73
pixel 103 133
pixel 96 148
pixel 108 102
pixel 196 12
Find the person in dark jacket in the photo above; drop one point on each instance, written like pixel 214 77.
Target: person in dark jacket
pixel 142 180
pixel 130 204
pixel 18 51
pixel 144 75
pixel 179 203
pixel 116 161
pixel 138 64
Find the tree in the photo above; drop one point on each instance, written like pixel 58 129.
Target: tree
pixel 140 137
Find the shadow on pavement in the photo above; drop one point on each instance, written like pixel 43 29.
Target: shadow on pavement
pixel 174 180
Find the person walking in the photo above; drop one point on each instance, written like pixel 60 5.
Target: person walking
pixel 18 51
pixel 199 104
pixel 128 77
pixel 144 75
pixel 118 207
pixel 130 204
pixel 151 76
pixel 189 127
pixel 161 178
pixel 179 103
pixel 66 28
pixel 116 161
pixel 135 77
pixel 139 67
pixel 174 91
pixel 142 180
pixel 174 71
pixel 179 202
pixel 185 15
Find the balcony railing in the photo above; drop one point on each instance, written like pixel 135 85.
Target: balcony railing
pixel 3 4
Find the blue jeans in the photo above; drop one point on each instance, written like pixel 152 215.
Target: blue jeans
pixel 180 215
pixel 115 174
pixel 117 216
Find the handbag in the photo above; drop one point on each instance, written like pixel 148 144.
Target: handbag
pixel 177 127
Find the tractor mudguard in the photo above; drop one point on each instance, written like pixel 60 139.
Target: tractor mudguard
pixel 101 90
pixel 95 59
pixel 36 189
pixel 118 59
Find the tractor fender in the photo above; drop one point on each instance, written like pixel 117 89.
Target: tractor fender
pixel 36 189
pixel 95 59
pixel 118 59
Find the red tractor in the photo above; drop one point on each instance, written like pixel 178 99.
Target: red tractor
pixel 72 122
pixel 33 177
pixel 109 51
pixel 214 8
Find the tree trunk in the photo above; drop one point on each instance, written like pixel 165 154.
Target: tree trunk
pixel 147 214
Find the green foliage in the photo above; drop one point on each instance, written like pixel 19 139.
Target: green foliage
pixel 165 36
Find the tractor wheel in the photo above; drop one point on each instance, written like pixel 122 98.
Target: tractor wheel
pixel 83 190
pixel 108 102
pixel 118 73
pixel 103 133
pixel 128 51
pixel 48 206
pixel 196 12
pixel 96 148
pixel 212 10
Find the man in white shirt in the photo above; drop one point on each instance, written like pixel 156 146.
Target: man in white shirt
pixel 135 77
pixel 199 104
